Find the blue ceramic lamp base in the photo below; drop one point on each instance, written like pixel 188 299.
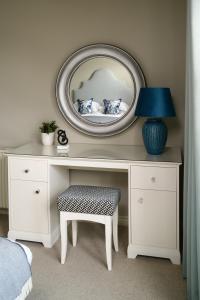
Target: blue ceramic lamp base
pixel 155 136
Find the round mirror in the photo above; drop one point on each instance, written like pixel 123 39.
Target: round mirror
pixel 97 89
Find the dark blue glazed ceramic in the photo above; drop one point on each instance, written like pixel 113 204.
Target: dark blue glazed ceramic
pixel 155 136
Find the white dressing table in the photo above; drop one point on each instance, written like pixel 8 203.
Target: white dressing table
pixel 36 174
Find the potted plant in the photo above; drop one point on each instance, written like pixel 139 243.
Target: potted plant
pixel 47 132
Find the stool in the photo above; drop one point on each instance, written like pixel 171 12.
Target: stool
pixel 89 203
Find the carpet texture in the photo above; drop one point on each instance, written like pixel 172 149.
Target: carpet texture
pixel 84 276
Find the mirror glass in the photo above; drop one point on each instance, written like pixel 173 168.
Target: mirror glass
pixel 97 89
pixel 102 90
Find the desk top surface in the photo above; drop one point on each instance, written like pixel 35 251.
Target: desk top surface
pixel 95 152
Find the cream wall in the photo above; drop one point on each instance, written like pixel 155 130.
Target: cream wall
pixel 36 36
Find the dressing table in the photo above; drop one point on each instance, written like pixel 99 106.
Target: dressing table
pixel 37 174
pixel 97 90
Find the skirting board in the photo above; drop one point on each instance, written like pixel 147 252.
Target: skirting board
pixel 3 211
pixel 123 220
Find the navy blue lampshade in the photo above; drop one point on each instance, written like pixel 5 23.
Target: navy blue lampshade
pixel 155 102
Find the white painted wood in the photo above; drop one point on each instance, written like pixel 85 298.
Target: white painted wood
pixel 154 211
pixel 155 178
pixel 48 240
pixel 175 257
pixel 28 169
pixel 108 235
pixel 91 164
pixel 39 224
pixel 172 254
pixel 154 218
pixel 161 205
pixel 28 209
pixel 84 217
pixel 3 181
pixel 74 232
pixel 129 207
pixel 64 238
pixel 109 229
pixel 58 181
pixel 115 230
pixel 177 212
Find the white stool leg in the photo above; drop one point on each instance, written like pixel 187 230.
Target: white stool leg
pixel 74 233
pixel 63 233
pixel 115 229
pixel 108 235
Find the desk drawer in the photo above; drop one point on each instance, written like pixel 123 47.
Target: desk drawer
pixel 153 178
pixel 28 169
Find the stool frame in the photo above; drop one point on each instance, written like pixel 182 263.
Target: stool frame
pixel 111 229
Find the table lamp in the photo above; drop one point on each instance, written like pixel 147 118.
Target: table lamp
pixel 155 103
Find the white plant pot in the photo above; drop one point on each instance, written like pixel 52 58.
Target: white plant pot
pixel 47 138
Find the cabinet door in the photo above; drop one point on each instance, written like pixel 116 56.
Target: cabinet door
pixel 153 218
pixel 28 203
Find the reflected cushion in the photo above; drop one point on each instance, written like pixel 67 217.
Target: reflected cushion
pixel 85 106
pixel 111 106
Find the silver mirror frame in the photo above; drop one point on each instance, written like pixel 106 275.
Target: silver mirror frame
pixel 63 88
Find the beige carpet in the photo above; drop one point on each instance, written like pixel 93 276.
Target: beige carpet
pixel 85 277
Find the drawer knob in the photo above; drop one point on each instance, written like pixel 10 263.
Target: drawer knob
pixel 37 191
pixel 153 179
pixel 26 170
pixel 140 200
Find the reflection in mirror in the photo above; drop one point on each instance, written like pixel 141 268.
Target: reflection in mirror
pixel 97 89
pixel 102 90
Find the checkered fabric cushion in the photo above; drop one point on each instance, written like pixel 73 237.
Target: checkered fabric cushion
pixel 89 200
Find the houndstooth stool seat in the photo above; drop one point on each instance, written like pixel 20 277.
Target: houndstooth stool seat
pixel 89 200
pixel 89 203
